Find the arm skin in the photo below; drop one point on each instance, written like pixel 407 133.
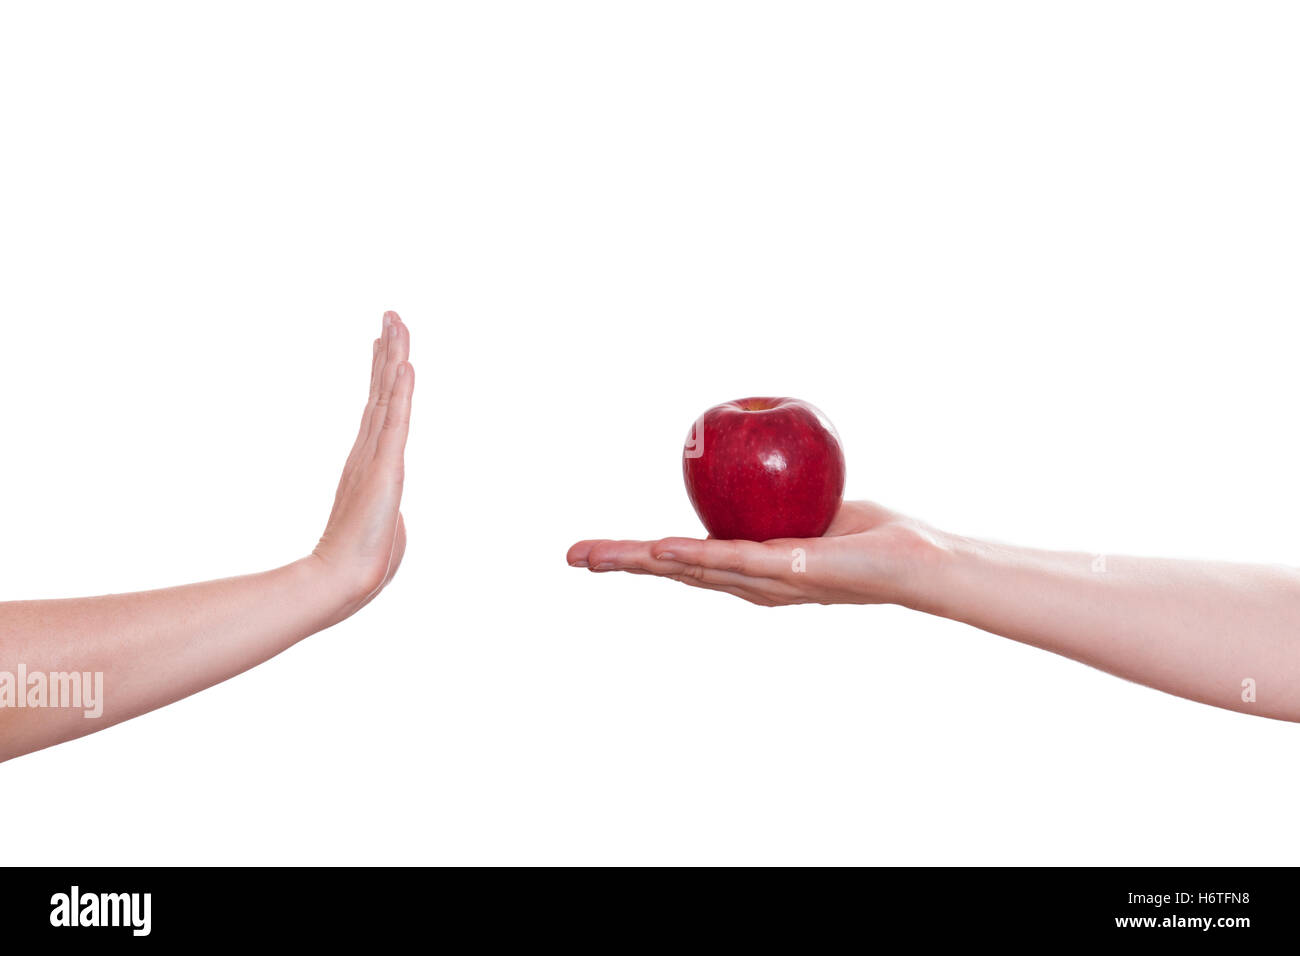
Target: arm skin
pixel 1192 628
pixel 156 647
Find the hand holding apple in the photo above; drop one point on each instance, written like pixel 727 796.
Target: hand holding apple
pixel 766 476
pixel 869 555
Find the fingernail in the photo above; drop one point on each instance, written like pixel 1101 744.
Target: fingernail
pixel 401 369
pixel 392 331
pixel 577 564
pixel 604 566
pixel 387 320
pixel 666 556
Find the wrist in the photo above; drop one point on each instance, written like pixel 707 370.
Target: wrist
pixel 331 592
pixel 930 568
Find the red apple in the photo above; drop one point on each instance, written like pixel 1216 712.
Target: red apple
pixel 762 468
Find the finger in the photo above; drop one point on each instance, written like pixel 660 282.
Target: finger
pixel 576 556
pixel 747 558
pixel 396 350
pixel 399 348
pixel 377 367
pixel 638 555
pixel 381 356
pixel 397 423
pixel 745 594
pixel 857 516
pixel 375 363
pixel 364 428
pixel 635 557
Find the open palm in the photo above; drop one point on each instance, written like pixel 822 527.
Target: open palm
pixel 862 559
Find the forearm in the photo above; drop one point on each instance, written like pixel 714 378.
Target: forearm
pixel 154 647
pixel 1191 628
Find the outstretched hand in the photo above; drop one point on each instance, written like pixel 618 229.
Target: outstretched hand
pixel 867 556
pixel 365 538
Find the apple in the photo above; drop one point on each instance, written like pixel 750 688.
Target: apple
pixel 763 468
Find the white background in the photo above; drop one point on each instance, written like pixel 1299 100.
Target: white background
pixel 1036 261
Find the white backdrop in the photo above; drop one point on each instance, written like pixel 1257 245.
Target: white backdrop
pixel 1036 261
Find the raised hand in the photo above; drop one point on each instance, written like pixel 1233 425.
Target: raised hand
pixel 154 647
pixel 365 538
pixel 868 556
